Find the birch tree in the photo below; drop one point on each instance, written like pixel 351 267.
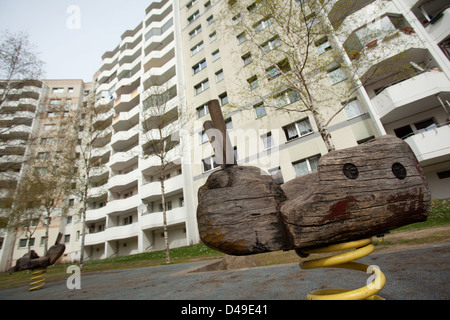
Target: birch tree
pixel 19 61
pixel 160 126
pixel 91 124
pixel 292 57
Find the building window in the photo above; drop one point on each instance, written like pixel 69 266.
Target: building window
pixel 271 44
pixel 199 66
pixel 53 114
pixel 58 90
pixel 202 86
pixel 297 129
pixel 253 82
pixel 191 3
pixel 246 59
pixel 306 166
pixel 353 109
pixel 323 45
pixel 443 174
pixel 203 137
pixel 43 155
pixel 267 140
pixel 193 17
pixel 67 238
pixel 209 163
pixel 216 55
pixel 277 175
pixel 403 132
pixel 213 37
pixel 208 5
pixel 229 123
pixel 202 110
pixel 260 110
pixel 281 67
pixel 197 48
pixel 55 102
pixel 40 171
pixel 241 38
pixel 195 32
pixel 425 125
pixel 25 243
pixel 237 19
pixel 287 97
pixel 336 73
pixel 219 75
pixel 263 24
pixel 223 98
pixel 210 19
pixel 128 220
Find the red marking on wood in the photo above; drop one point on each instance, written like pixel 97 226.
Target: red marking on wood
pixel 339 210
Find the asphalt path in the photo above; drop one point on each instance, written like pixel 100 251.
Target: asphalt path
pixel 412 274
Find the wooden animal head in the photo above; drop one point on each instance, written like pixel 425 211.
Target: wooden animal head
pixel 356 193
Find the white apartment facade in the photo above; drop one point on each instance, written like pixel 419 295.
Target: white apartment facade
pixel 397 51
pixel 48 104
pixel 404 70
pixel 125 210
pixel 403 85
pixel 17 112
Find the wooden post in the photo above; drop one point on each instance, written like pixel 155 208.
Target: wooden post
pixel 222 144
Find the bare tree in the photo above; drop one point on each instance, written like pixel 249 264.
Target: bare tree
pixel 19 62
pixel 160 128
pixel 91 130
pixel 293 58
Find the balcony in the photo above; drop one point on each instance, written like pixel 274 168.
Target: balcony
pixel 123 205
pixel 431 146
pixel 123 160
pixel 95 238
pixel 125 120
pixel 439 29
pixel 121 182
pixel 93 215
pixel 410 96
pixel 152 191
pixel 122 232
pixel 155 220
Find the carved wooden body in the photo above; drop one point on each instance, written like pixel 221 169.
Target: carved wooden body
pixel 31 260
pixel 357 192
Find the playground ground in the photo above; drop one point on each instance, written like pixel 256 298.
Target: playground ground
pixel 417 272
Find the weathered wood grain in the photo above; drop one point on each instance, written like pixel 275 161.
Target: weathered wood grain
pixel 357 192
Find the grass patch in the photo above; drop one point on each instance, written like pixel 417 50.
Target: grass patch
pixel 176 254
pixel 439 216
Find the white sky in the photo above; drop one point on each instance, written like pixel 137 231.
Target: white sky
pixel 72 53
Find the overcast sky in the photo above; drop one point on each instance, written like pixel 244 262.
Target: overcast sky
pixel 72 35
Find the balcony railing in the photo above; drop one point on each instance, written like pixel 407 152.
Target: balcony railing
pixel 431 145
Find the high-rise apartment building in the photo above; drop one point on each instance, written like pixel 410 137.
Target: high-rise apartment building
pixel 36 119
pixel 141 76
pixel 380 67
pixel 19 105
pixel 395 53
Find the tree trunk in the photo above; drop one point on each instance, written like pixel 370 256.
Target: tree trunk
pixel 163 200
pixel 83 231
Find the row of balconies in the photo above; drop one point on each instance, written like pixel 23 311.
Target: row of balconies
pixel 121 61
pixel 150 221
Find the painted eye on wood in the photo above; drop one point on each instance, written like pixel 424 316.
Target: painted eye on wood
pixel 399 171
pixel 350 171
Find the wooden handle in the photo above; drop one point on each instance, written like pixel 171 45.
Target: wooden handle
pixel 218 136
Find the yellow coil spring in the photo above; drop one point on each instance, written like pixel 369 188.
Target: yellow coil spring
pixel 343 260
pixel 37 279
